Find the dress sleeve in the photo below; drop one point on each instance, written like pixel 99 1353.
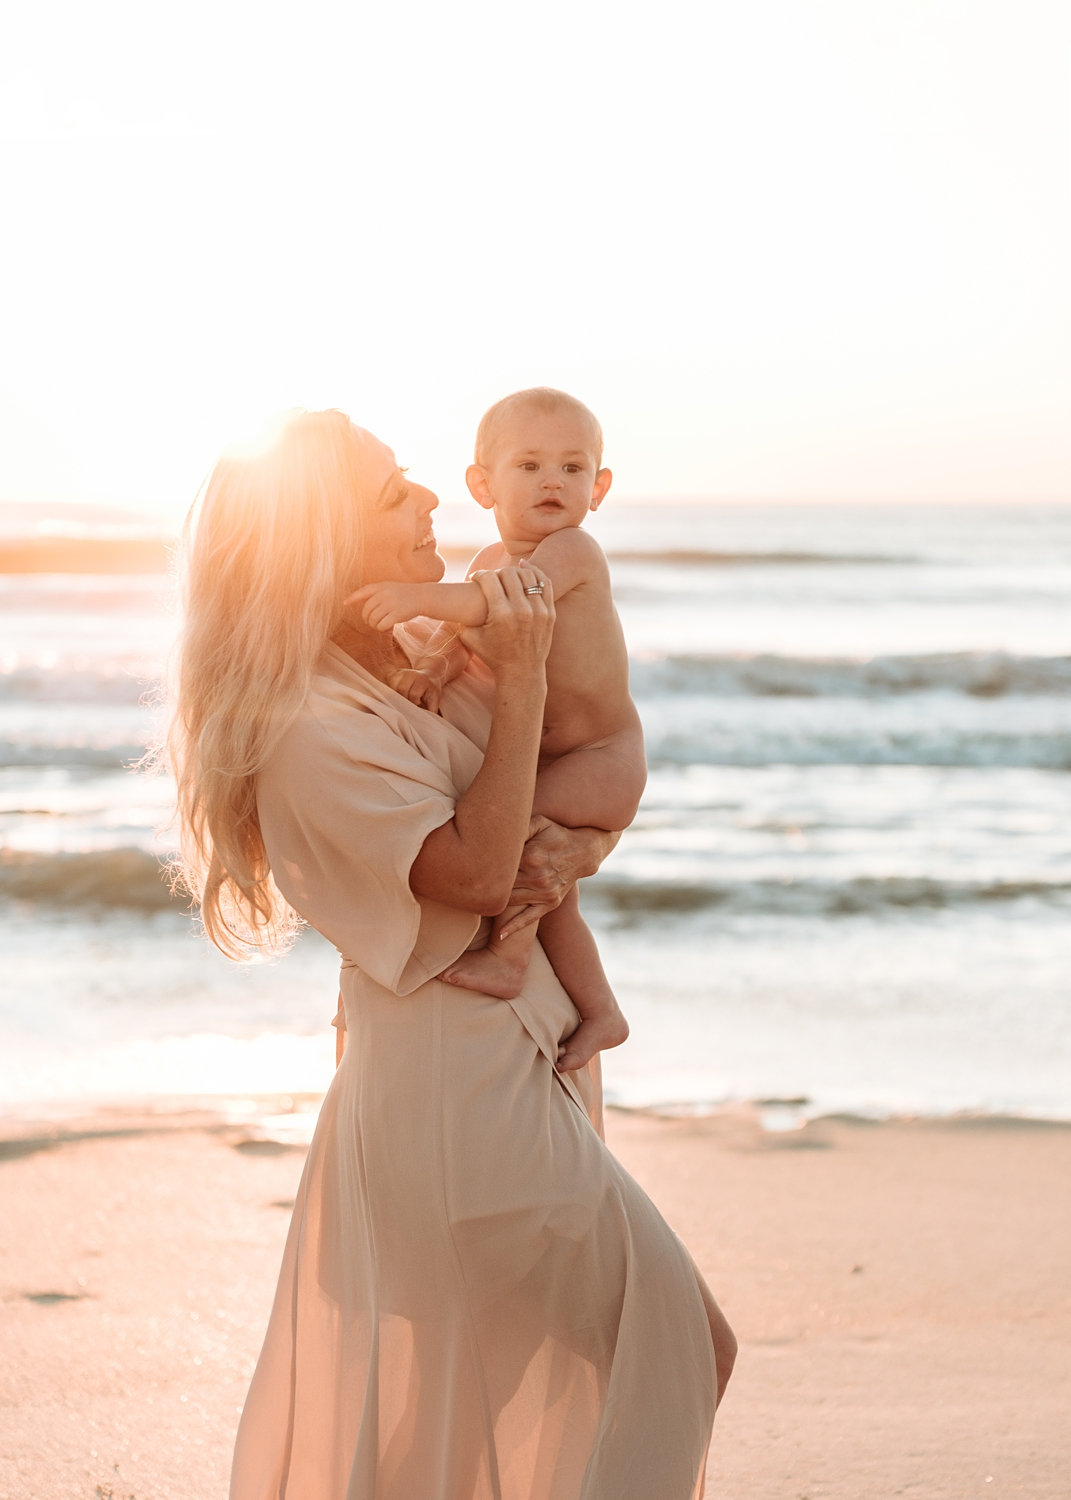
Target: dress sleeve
pixel 345 804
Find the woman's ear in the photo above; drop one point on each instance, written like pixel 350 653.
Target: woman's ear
pixel 603 480
pixel 479 489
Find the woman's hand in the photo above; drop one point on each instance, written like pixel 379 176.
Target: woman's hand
pixel 471 862
pixel 553 860
pixel 520 621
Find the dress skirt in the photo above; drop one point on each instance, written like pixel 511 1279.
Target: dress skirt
pixel 476 1300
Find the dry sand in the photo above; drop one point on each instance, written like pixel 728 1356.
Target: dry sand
pixel 901 1293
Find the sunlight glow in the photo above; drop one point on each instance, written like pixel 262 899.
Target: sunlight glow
pixel 819 250
pixel 257 441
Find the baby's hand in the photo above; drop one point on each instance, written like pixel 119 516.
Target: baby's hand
pixel 384 605
pixel 418 687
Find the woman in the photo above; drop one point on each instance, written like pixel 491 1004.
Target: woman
pixel 476 1302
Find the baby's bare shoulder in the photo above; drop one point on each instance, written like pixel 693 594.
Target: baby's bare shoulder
pixel 570 557
pixel 570 541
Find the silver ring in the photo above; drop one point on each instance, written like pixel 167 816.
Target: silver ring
pixel 534 588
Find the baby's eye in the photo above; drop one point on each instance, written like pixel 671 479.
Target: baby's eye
pixel 573 468
pixel 530 466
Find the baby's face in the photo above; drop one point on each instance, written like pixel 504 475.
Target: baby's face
pixel 543 475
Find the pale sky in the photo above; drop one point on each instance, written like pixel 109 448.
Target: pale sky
pixel 792 249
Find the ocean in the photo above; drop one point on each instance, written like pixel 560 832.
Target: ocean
pixel 848 888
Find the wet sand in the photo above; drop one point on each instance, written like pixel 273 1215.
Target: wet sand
pixel 900 1290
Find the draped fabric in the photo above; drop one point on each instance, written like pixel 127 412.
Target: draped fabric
pixel 476 1301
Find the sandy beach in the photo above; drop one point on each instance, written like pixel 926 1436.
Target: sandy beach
pixel 900 1291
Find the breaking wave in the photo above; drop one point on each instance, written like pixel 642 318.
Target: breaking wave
pixel 632 899
pixel 123 877
pixel 690 557
pixel 976 674
pixel 132 877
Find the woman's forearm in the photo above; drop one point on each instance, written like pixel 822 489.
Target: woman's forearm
pixel 471 862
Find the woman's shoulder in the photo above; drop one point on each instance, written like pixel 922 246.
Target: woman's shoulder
pixel 346 713
pixel 351 724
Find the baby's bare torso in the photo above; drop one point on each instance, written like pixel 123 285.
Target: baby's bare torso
pixel 587 667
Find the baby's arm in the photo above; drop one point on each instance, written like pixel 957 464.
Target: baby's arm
pixel 384 605
pixel 436 656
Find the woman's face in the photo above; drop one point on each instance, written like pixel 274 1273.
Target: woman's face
pixel 399 543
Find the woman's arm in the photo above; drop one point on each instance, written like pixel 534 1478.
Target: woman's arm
pixel 471 862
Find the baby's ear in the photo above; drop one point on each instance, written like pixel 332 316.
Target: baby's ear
pixel 479 489
pixel 603 480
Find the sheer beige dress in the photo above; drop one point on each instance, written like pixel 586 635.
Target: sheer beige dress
pixel 476 1301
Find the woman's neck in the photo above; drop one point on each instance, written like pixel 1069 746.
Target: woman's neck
pixel 375 650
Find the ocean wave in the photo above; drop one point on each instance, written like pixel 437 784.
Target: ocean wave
pixel 689 740
pixel 133 877
pixel 939 747
pixel 976 674
pixel 700 557
pixel 76 681
pixel 121 755
pixel 973 674
pixel 637 899
pixel 123 877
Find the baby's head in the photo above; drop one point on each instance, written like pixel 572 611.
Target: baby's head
pixel 501 421
pixel 538 464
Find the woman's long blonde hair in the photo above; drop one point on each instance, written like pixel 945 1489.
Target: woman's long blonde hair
pixel 270 550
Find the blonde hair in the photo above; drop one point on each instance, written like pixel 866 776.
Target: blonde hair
pixel 543 398
pixel 271 548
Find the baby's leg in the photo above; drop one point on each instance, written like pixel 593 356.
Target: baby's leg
pixel 574 956
pixel 499 970
pixel 596 786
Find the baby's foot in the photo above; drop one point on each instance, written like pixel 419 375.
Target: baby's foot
pixel 488 970
pixel 605 1028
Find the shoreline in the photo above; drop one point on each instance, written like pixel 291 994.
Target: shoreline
pixel 288 1119
pixel 899 1290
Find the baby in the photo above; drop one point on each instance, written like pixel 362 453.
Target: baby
pixel 538 467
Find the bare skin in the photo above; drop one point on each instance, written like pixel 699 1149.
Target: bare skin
pixel 541 483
